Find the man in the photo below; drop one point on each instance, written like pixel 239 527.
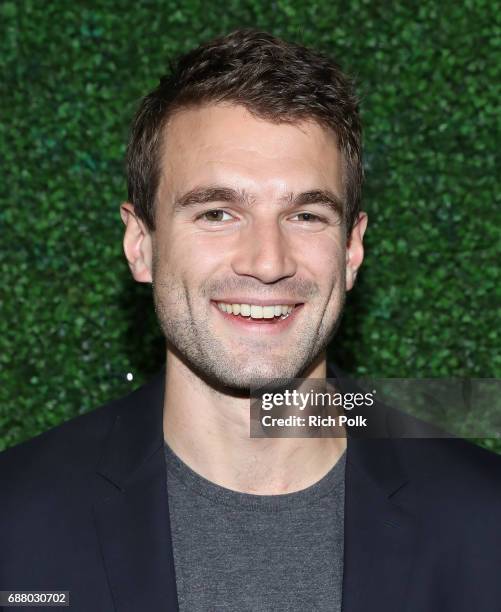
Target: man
pixel 244 173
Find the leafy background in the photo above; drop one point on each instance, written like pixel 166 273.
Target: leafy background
pixel 73 323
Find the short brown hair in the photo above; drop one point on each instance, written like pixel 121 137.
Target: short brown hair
pixel 275 80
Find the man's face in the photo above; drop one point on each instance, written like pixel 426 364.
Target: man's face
pixel 246 215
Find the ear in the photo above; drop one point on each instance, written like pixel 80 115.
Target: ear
pixel 355 249
pixel 137 244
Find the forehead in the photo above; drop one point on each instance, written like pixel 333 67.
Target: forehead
pixel 225 143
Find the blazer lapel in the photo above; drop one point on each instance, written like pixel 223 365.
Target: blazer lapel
pixel 380 528
pixel 133 526
pixel 380 535
pixel 131 508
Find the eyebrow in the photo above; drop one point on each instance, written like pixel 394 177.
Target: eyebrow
pixel 203 195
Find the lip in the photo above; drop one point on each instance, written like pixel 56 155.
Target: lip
pixel 257 302
pixel 255 326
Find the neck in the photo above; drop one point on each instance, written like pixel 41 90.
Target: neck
pixel 209 431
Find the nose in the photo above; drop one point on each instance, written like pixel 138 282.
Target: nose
pixel 264 252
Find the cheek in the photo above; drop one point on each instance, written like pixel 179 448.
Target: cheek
pixel 326 263
pixel 184 272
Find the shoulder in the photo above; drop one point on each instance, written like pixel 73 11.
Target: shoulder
pixel 49 480
pixel 455 492
pixel 435 458
pixel 455 478
pixel 75 446
pixel 66 456
pixel 71 450
pixel 450 458
pixel 433 455
pixel 60 452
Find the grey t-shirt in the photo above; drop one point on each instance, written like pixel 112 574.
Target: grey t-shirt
pixel 244 552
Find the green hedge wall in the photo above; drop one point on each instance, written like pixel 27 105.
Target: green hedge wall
pixel 73 322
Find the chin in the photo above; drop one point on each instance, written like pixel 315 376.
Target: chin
pixel 245 378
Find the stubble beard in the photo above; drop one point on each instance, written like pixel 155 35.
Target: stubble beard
pixel 210 359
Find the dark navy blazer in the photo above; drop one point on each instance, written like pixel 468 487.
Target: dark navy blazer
pixel 84 508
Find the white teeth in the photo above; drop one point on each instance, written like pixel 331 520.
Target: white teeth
pixel 268 312
pixel 256 311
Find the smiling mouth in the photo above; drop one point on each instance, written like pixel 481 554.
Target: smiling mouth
pixel 265 314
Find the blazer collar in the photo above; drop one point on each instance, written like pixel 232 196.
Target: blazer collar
pixel 132 514
pixel 380 523
pixel 378 460
pixel 131 507
pixel 137 434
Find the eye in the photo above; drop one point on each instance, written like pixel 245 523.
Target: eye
pixel 309 217
pixel 215 215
